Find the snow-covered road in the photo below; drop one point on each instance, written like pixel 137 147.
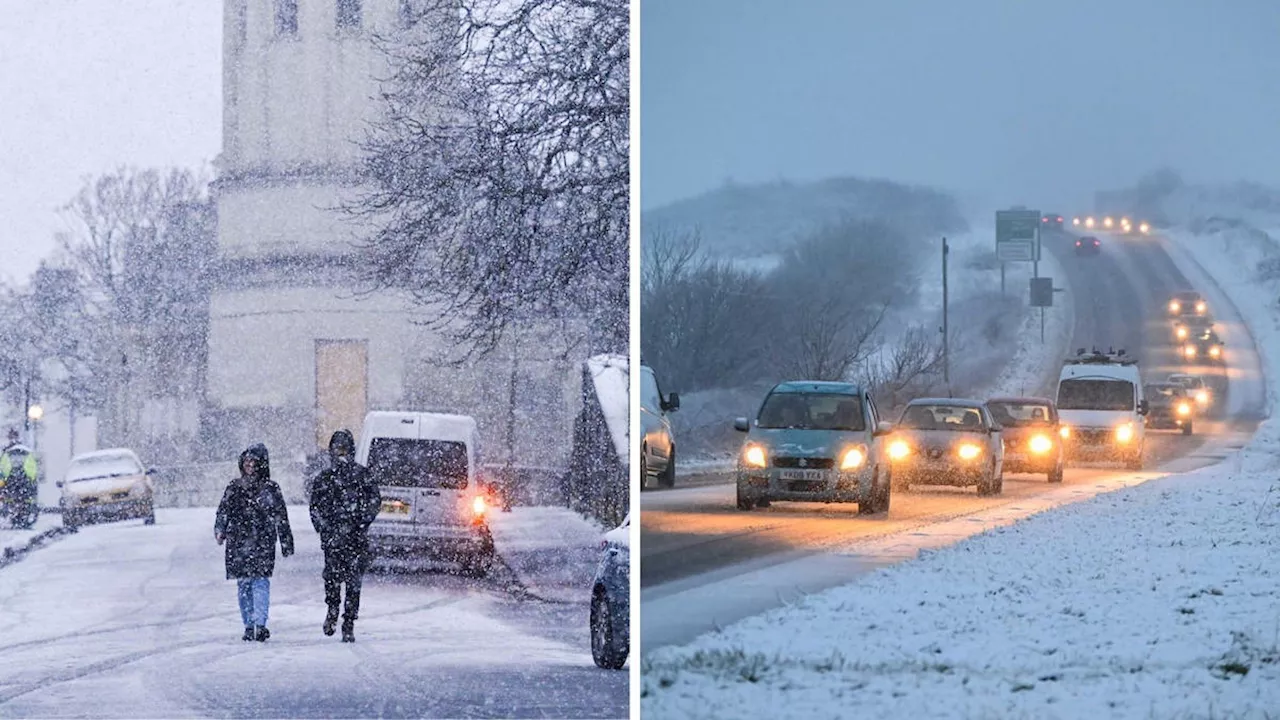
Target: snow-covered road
pixel 124 620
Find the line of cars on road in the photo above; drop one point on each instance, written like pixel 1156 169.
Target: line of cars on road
pixel 828 442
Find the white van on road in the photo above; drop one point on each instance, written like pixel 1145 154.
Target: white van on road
pixel 1102 408
pixel 432 505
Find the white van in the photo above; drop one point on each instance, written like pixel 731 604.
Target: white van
pixel 432 505
pixel 1102 408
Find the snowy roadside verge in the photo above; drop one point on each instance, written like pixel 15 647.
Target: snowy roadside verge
pixel 15 544
pixel 1034 368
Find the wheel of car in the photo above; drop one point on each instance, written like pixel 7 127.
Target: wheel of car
pixel 150 518
pixel 1134 462
pixel 877 498
pixel 1188 428
pixel 744 502
pixel 608 651
pixel 644 471
pixel 478 566
pixel 1055 475
pixel 763 502
pixel 668 477
pixel 987 483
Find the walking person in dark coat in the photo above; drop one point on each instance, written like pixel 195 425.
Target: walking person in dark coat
pixel 344 502
pixel 251 518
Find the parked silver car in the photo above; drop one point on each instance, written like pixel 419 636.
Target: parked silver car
pixel 106 485
pixel 611 599
pixel 657 444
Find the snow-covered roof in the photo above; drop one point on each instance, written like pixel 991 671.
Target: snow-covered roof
pixel 611 376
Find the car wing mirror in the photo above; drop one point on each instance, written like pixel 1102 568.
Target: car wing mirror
pixel 1143 407
pixel 741 424
pixel 672 402
pixel 882 428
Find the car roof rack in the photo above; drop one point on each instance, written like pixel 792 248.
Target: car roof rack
pixel 1097 357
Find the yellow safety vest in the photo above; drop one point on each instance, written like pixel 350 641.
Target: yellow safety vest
pixel 28 465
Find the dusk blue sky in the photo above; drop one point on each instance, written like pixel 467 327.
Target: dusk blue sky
pixel 1010 100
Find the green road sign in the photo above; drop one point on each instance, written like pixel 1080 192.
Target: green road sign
pixel 1018 235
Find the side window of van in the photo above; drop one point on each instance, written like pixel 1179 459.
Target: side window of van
pixel 872 413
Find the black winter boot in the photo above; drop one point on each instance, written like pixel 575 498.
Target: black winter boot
pixel 262 634
pixel 248 634
pixel 331 620
pixel 348 631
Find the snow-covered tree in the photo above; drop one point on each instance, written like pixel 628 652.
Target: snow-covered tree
pixel 498 174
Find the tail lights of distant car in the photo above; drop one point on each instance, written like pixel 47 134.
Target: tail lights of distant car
pixel 853 458
pixel 1041 444
pixel 968 451
pixel 754 456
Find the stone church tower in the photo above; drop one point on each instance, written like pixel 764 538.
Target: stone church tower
pixel 296 349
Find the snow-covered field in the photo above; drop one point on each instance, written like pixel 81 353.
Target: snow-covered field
pixel 1152 601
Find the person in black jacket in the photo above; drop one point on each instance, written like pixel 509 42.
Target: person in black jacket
pixel 251 518
pixel 344 502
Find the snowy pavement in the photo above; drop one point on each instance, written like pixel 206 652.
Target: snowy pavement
pixel 1150 601
pixel 125 620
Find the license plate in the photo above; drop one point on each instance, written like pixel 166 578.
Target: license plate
pixel 804 474
pixel 395 507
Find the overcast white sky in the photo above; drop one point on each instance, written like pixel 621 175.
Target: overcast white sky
pixel 1034 102
pixel 89 85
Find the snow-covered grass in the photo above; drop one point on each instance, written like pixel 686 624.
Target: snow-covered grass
pixel 1034 368
pixel 1157 601
pixel 1152 601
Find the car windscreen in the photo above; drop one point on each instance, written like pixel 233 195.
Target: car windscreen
pixel 942 417
pixel 1163 394
pixel 812 411
pixel 1091 394
pixel 103 466
pixel 1010 414
pixel 1193 383
pixel 406 462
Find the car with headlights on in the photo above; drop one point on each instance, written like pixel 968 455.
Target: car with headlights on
pixel 1169 407
pixel 813 442
pixel 1197 388
pixel 947 441
pixel 611 599
pixel 1186 327
pixel 1188 302
pixel 1032 435
pixel 1204 346
pixel 106 485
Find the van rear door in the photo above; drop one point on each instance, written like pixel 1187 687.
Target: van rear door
pixel 429 476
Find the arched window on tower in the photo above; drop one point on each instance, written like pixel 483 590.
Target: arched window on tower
pixel 286 18
pixel 348 17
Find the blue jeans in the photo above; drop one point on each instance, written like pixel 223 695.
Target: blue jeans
pixel 255 599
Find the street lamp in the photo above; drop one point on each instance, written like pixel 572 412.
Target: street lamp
pixel 34 413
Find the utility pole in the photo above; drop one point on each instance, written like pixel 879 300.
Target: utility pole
pixel 946 351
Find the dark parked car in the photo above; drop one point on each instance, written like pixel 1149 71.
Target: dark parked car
pixel 611 599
